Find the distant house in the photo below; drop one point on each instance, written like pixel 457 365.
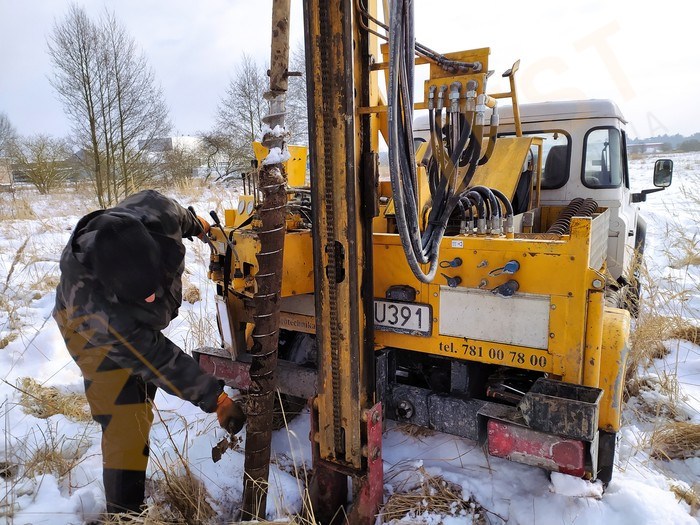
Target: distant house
pixel 646 147
pixel 165 144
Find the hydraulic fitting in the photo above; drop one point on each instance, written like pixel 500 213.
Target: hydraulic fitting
pixel 441 97
pixel 455 88
pixel 506 289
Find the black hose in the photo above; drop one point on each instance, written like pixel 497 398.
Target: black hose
pixel 489 195
pixel 478 201
pixel 504 200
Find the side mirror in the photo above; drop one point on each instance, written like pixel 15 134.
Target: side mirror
pixel 663 173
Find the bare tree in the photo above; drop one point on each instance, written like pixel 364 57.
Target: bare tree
pixel 241 111
pixel 7 135
pixel 108 91
pixel 179 165
pixel 43 160
pixel 73 50
pixel 239 116
pixel 297 121
pixel 223 155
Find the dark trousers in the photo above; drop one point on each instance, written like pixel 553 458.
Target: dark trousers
pixel 121 403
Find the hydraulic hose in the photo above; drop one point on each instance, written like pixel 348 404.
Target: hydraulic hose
pixel 464 142
pixel 504 200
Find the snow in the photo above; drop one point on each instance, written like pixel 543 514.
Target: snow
pixel 509 492
pixel 277 156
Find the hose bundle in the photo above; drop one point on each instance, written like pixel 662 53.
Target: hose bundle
pixel 463 151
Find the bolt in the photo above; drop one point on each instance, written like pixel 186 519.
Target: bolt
pixel 375 417
pixel 375 453
pixel 554 307
pixel 483 283
pixel 404 410
pixel 597 283
pixel 551 335
pixel 435 294
pixel 482 264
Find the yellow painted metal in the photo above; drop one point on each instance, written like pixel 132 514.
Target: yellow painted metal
pixel 503 170
pixel 616 329
pixel 586 342
pixel 295 167
pixel 230 217
pixel 594 337
pixel 336 138
pixel 557 268
pixel 580 329
pixel 298 272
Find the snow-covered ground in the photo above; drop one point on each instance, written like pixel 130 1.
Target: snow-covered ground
pixel 34 229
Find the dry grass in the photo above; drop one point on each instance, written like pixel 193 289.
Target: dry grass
pixel 676 440
pixel 7 470
pixel 4 341
pixel 691 495
pixel 15 208
pixel 43 402
pixel 436 496
pixel 181 498
pixel 192 294
pixel 51 459
pixel 415 431
pixel 647 343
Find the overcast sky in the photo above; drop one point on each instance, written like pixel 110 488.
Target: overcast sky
pixel 643 55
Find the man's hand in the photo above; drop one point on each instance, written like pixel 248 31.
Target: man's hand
pixel 205 228
pixel 229 414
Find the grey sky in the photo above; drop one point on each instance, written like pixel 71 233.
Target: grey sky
pixel 640 54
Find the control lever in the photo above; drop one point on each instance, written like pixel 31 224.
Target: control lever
pixel 216 220
pixel 205 237
pixel 452 282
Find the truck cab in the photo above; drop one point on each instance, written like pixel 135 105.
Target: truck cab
pixel 585 155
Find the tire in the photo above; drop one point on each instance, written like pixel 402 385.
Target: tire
pixel 633 293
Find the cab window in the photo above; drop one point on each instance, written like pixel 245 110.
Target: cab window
pixel 556 155
pixel 603 158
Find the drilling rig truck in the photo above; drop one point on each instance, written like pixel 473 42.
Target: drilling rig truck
pixel 476 279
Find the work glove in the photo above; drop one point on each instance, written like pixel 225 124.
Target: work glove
pixel 229 413
pixel 205 228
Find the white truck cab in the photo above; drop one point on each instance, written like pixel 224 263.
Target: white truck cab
pixel 585 155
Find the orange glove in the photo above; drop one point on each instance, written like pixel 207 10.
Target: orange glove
pixel 230 414
pixel 205 228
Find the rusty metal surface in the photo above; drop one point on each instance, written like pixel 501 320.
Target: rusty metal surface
pixel 291 379
pixel 369 489
pixel 272 213
pixel 562 408
pixel 340 243
pixel 328 489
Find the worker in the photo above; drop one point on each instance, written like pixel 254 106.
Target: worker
pixel 120 286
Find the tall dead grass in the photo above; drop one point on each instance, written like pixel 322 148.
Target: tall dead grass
pixel 434 495
pixel 676 440
pixel 43 402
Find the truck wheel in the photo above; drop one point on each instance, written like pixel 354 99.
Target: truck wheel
pixel 606 456
pixel 634 290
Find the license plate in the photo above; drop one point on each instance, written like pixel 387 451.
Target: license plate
pixel 404 318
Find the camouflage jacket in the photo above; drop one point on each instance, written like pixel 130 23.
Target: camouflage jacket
pixel 103 333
